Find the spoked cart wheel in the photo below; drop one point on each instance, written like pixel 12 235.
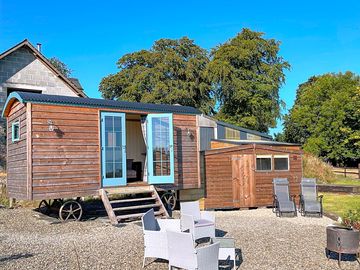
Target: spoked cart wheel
pixel 169 199
pixel 70 211
pixel 45 207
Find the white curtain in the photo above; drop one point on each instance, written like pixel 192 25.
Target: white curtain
pixel 143 129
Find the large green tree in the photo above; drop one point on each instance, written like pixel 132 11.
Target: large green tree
pixel 173 71
pixel 247 73
pixel 326 117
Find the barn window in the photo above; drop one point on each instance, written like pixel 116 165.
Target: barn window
pixel 281 163
pixel 15 131
pixel 263 163
pixel 232 134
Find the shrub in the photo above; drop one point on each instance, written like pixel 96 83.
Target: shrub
pixel 3 198
pixel 313 167
pixel 352 219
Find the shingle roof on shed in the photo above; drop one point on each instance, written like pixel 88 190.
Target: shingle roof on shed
pixel 25 97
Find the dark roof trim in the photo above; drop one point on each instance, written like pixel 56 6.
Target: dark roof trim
pixel 25 97
pixel 46 62
pixel 243 142
pixel 244 129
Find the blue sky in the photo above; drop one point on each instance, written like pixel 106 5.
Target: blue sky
pixel 90 36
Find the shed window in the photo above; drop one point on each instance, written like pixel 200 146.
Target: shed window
pixel 263 163
pixel 232 134
pixel 281 163
pixel 15 130
pixel 253 137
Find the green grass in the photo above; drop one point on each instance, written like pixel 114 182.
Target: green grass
pixel 346 181
pixel 340 204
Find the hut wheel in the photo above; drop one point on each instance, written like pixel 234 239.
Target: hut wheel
pixel 45 207
pixel 169 199
pixel 70 210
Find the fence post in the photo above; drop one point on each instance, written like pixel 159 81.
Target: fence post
pixel 359 170
pixel 345 171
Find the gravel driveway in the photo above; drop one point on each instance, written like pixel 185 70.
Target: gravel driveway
pixel 265 242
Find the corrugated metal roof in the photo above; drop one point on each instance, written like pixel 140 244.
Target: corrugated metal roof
pixel 100 103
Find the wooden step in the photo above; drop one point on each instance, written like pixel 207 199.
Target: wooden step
pixel 133 200
pixel 137 215
pixel 148 193
pixel 134 207
pixel 129 190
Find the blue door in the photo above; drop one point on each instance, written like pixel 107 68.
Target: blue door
pixel 113 149
pixel 160 149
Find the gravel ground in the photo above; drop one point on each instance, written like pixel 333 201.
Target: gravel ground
pixel 264 241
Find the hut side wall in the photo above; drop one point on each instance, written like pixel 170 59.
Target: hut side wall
pixel 219 180
pixel 66 161
pixel 17 154
pixel 186 153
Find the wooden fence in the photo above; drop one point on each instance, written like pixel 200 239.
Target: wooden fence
pixel 348 172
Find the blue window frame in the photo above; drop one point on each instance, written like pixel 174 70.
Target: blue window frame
pixel 160 149
pixel 15 131
pixel 113 149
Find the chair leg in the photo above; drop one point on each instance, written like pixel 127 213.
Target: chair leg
pixel 339 260
pixel 144 262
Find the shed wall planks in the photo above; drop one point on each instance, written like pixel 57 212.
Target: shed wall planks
pixel 219 169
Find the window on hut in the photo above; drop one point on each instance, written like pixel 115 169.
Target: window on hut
pixel 15 131
pixel 263 163
pixel 281 163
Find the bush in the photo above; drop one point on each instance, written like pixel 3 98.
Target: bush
pixel 313 167
pixel 3 198
pixel 352 219
pixel 2 145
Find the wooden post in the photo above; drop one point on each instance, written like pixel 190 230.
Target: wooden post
pixel 359 171
pixel 12 202
pixel 345 171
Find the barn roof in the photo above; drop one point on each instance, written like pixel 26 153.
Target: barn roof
pixel 25 43
pixel 26 97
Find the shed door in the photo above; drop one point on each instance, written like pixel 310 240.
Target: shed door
pixel 113 149
pixel 243 180
pixel 160 149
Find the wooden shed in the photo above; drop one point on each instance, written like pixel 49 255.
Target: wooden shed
pixel 240 173
pixel 63 147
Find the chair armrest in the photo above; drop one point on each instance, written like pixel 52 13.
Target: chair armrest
pixel 187 223
pixel 208 256
pixel 169 224
pixel 155 239
pixel 208 216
